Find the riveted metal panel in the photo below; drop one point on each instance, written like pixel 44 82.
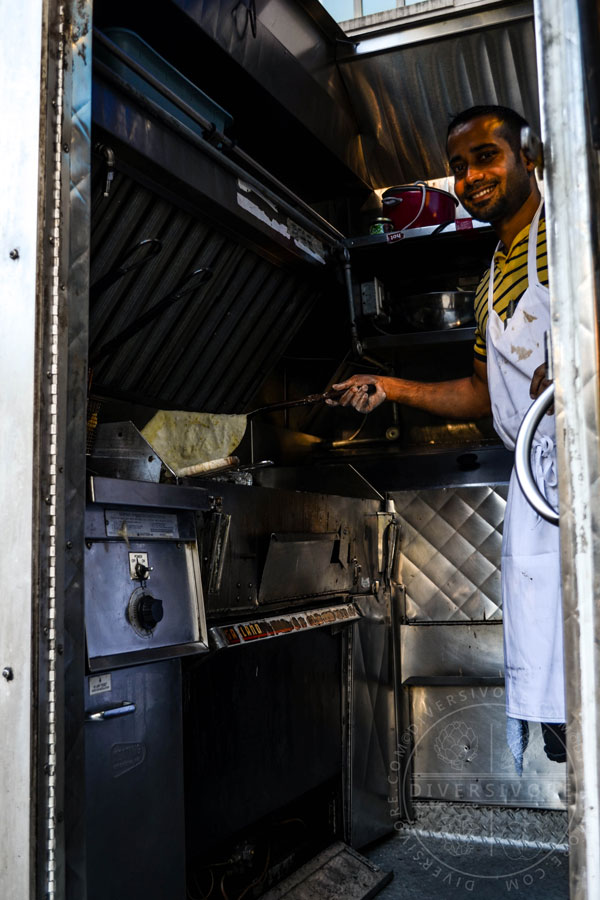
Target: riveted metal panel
pixel 21 78
pixel 68 366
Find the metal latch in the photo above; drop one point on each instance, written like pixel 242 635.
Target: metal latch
pixel 109 155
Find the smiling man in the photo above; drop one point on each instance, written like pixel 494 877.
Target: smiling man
pixel 495 182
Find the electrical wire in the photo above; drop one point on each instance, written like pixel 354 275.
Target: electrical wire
pixel 359 429
pixel 256 882
pixel 359 364
pixel 289 821
pixel 223 891
pixel 212 884
pixel 249 7
pixel 260 878
pixel 198 887
pixel 384 366
pixel 310 358
pixel 381 331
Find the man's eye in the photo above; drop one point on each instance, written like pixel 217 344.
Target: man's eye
pixel 458 169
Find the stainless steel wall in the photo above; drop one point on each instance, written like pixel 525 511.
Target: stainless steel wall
pixel 254 575
pixel 372 716
pixel 19 148
pixel 453 737
pixel 293 57
pixel 405 94
pixel 572 181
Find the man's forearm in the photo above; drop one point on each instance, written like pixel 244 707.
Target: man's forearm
pixel 463 398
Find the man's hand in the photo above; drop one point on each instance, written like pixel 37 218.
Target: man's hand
pixel 357 392
pixel 462 398
pixel 539 383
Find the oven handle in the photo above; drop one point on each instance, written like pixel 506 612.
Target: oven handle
pixel 533 417
pixel 111 712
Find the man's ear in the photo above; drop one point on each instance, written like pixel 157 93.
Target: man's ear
pixel 529 164
pixel 532 150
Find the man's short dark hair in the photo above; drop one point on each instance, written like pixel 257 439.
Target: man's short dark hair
pixel 512 122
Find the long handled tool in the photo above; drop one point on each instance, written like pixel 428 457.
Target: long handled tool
pixel 305 401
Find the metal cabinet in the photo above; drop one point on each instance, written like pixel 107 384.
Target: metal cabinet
pixel 134 783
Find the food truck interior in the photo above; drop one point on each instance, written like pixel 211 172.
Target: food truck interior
pixel 292 617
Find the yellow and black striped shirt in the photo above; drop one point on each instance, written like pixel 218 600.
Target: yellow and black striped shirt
pixel 510 282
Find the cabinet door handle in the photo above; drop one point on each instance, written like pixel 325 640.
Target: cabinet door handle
pixel 111 712
pixel 533 417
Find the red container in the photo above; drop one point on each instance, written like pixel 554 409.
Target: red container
pixel 418 205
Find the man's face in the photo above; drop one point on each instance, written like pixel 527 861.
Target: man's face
pixel 490 181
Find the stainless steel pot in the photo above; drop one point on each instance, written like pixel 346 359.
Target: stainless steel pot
pixel 438 310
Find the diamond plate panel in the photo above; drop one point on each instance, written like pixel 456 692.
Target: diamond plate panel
pixel 549 826
pixel 450 554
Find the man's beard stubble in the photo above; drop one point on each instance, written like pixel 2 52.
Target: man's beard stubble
pixel 518 189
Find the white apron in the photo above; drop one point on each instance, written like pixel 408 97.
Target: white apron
pixel 531 586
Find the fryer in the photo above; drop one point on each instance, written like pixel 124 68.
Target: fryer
pixel 143 612
pixel 241 591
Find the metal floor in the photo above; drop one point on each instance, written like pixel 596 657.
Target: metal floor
pixel 453 867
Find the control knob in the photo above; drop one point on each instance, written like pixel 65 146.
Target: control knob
pixel 149 611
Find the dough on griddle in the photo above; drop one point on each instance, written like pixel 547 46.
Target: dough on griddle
pixel 187 438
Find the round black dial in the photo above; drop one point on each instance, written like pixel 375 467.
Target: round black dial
pixel 149 611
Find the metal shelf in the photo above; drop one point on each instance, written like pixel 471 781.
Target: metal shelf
pixel 411 339
pixel 453 681
pixel 393 237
